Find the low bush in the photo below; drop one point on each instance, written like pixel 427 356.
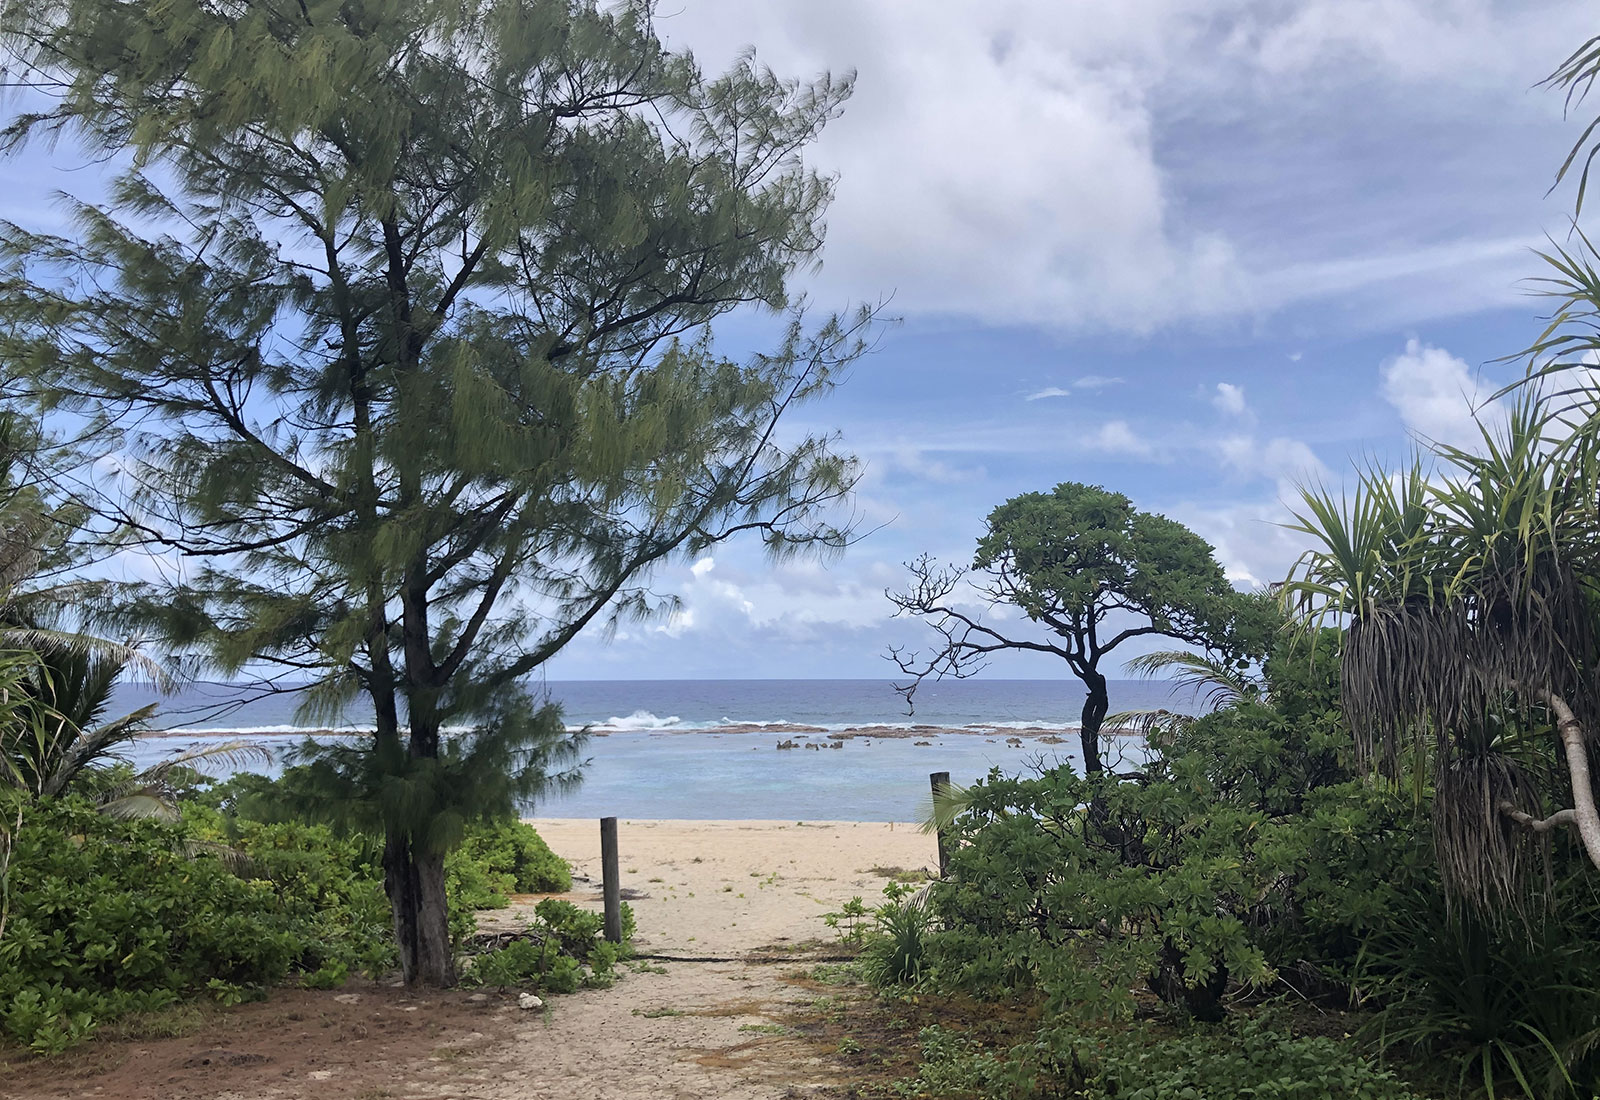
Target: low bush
pixel 110 917
pixel 559 953
pixel 513 849
pixel 1500 1009
pixel 1241 849
pixel 1246 1059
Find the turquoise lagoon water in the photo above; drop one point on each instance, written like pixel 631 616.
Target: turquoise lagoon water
pixel 707 748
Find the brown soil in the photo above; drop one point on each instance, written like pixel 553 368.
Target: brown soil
pixel 299 1042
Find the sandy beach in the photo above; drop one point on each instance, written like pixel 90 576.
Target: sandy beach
pixel 729 887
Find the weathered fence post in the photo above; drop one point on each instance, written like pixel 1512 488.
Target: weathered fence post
pixel 611 881
pixel 939 781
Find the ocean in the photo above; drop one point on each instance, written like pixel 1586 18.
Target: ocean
pixel 696 749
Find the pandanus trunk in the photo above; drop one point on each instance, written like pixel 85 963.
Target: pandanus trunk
pixel 414 880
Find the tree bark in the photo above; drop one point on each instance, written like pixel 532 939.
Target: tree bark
pixel 1585 816
pixel 414 881
pixel 1095 705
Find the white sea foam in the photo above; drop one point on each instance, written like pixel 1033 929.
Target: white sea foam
pixel 640 720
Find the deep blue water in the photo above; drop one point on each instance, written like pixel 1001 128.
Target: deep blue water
pixel 703 704
pixel 707 748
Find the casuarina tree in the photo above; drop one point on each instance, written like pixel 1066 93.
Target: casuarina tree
pixel 396 319
pixel 1090 573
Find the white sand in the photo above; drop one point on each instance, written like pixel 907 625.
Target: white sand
pixel 728 887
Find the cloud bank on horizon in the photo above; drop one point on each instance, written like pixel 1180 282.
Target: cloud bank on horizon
pixel 1198 251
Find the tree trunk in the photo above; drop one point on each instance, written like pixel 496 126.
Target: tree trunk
pixel 1095 705
pixel 414 881
pixel 1584 813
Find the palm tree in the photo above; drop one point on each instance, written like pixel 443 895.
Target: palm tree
pixel 60 735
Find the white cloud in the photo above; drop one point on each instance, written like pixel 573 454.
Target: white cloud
pixel 1095 382
pixel 1250 539
pixel 1289 462
pixel 1025 163
pixel 1437 395
pixel 1116 438
pixel 1229 399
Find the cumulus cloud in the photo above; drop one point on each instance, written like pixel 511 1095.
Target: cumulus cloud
pixel 1439 398
pixel 1115 437
pixel 1251 541
pixel 1025 163
pixel 1229 399
pixel 1289 462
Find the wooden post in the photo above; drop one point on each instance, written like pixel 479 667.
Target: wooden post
pixel 611 881
pixel 939 781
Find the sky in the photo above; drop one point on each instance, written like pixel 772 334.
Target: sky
pixel 1196 251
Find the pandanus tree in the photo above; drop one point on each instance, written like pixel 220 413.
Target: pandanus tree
pixel 1468 586
pixel 398 318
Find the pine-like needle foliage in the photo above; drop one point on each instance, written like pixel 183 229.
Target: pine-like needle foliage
pixel 398 316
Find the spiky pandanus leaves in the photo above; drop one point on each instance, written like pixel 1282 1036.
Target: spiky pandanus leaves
pixel 1575 78
pixel 1470 604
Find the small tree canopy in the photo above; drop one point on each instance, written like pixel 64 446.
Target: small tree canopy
pixel 1094 572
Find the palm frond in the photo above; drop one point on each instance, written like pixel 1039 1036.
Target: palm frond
pixel 140 804
pixel 944 806
pixel 1156 726
pixel 91 747
pixel 1218 682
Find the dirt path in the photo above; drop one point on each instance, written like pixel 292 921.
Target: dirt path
pixel 675 1031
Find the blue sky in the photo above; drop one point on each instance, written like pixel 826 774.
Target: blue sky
pixel 1193 250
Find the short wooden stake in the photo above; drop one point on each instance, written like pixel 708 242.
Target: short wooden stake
pixel 939 781
pixel 611 881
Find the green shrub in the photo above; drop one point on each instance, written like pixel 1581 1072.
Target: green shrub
pixel 494 859
pixel 110 917
pixel 1245 845
pixel 560 952
pixel 516 850
pixel 1244 1061
pixel 897 949
pixel 329 885
pixel 1512 1009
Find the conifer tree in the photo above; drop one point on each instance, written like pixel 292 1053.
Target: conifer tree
pixel 398 316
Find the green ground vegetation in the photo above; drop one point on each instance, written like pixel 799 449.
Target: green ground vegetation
pixel 124 916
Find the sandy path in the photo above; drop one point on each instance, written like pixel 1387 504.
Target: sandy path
pixel 718 889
